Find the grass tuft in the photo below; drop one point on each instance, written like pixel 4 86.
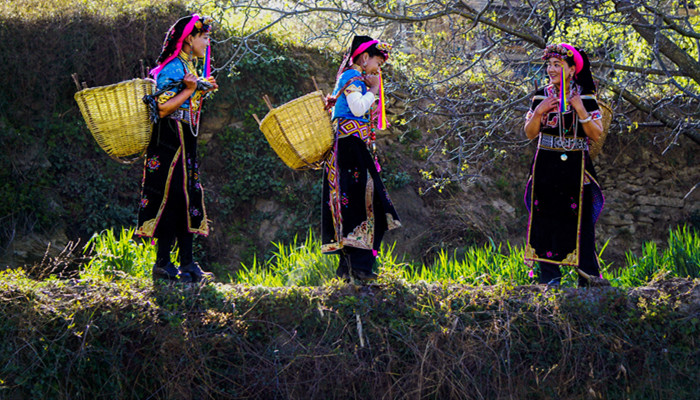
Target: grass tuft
pixel 301 263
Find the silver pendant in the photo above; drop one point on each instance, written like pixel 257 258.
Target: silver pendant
pixel 564 157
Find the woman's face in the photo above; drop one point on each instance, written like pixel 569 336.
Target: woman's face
pixel 199 43
pixel 371 65
pixel 554 66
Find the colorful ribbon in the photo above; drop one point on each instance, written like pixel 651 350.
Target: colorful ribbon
pixel 207 63
pixel 381 108
pixel 562 92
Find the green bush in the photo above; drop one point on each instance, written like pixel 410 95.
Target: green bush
pixel 95 338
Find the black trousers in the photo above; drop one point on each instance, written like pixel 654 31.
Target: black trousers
pixel 173 222
pixel 357 259
pixel 588 257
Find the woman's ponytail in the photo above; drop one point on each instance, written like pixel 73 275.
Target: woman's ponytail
pixel 585 77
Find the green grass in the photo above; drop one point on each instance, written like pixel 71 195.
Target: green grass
pixel 294 264
pixel 301 263
pixel 680 259
pixel 487 265
pixel 116 257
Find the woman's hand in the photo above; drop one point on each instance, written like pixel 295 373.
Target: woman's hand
pixel 547 105
pixel 532 126
pixel 212 80
pixel 373 82
pixel 190 81
pixel 577 105
pixel 167 108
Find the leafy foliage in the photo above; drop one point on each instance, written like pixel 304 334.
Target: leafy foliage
pixel 295 264
pixel 468 69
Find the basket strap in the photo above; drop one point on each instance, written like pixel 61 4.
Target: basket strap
pixel 152 103
pixel 330 100
pixel 168 87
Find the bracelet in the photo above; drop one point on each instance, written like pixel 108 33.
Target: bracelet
pixel 587 119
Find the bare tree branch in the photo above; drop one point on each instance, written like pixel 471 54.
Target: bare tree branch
pixel 668 48
pixel 467 68
pixel 669 121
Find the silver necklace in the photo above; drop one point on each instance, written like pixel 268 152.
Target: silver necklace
pixel 564 157
pixel 195 134
pixel 191 67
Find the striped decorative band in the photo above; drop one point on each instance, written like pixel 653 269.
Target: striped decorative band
pixel 181 114
pixel 551 142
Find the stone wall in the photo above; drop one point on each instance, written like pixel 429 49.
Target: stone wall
pixel 645 191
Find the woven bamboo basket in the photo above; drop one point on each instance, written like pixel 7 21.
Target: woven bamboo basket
pixel 118 118
pixel 300 131
pixel 596 147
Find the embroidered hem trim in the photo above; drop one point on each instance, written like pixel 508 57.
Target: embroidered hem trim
pixel 391 222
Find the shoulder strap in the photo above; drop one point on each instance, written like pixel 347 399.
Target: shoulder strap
pixel 330 100
pixel 348 83
pixel 171 86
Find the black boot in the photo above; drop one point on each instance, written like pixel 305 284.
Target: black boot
pixel 192 272
pixel 554 283
pixel 361 263
pixel 343 271
pixel 165 270
pixel 364 276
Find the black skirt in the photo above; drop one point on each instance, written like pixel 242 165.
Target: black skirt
pixel 172 146
pixel 356 209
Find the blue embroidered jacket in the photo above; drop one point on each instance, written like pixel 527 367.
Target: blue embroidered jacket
pixel 175 71
pixel 341 109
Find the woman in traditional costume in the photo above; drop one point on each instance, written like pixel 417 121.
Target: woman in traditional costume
pixel 563 196
pixel 172 198
pixel 357 210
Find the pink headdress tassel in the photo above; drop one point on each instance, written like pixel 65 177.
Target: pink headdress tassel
pixel 188 29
